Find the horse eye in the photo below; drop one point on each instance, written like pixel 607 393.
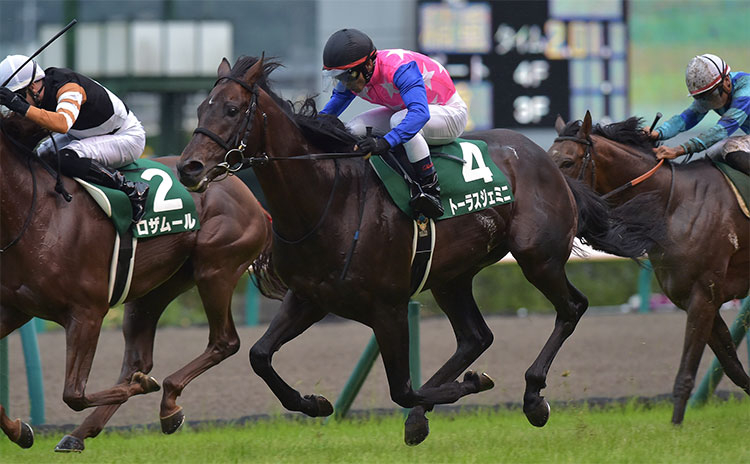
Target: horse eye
pixel 232 111
pixel 566 164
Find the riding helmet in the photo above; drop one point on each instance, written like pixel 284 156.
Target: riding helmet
pixel 31 72
pixel 346 49
pixel 704 72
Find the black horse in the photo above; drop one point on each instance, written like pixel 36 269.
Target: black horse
pixel 319 206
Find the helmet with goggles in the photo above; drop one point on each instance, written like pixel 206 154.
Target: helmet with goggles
pixel 29 73
pixel 704 73
pixel 346 53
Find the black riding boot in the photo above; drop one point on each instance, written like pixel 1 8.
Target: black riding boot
pixel 426 198
pixel 739 160
pixel 92 171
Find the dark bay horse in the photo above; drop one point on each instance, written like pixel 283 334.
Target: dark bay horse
pixel 706 261
pixel 55 265
pixel 319 207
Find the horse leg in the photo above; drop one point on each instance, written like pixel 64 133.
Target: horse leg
pixel 223 341
pixel 81 337
pixel 726 352
pixel 294 317
pixel 138 329
pixel 549 277
pixel 473 337
pixel 700 321
pixel 19 432
pixel 391 329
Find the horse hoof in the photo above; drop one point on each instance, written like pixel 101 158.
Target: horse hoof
pixel 539 416
pixel 69 444
pixel 320 407
pixel 416 429
pixel 26 438
pixel 148 383
pixel 171 423
pixel 482 381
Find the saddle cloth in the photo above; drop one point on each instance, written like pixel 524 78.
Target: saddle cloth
pixel 469 179
pixel 739 183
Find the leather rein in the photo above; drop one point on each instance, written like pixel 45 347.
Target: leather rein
pixel 588 156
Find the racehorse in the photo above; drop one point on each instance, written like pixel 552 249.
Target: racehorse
pixel 50 269
pixel 706 261
pixel 323 208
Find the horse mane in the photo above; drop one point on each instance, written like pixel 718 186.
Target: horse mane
pixel 628 132
pixel 23 130
pixel 323 131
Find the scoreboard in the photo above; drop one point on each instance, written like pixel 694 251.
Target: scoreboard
pixel 521 63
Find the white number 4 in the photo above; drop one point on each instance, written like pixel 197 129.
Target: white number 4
pixel 161 204
pixel 472 154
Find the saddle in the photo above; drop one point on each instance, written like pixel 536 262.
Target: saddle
pixel 739 182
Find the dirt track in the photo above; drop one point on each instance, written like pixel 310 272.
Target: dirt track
pixel 608 356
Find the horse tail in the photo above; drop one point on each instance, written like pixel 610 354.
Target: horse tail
pixel 262 272
pixel 627 230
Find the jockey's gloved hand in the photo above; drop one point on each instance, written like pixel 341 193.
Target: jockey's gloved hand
pixel 373 145
pixel 13 101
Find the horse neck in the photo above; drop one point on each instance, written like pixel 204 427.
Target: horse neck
pixel 15 189
pixel 617 164
pixel 297 192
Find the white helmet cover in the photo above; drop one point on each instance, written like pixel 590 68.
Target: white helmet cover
pixel 704 72
pixel 23 77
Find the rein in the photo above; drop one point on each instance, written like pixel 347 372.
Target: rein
pixel 588 156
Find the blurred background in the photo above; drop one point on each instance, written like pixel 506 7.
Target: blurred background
pixel 517 63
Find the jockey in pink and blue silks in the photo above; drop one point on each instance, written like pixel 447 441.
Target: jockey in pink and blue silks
pixel 419 105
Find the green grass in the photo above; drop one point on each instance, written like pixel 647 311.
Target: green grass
pixel 617 434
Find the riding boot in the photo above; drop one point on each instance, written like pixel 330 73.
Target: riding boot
pixel 426 197
pixel 137 192
pixel 739 160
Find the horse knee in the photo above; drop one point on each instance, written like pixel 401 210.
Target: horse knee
pixel 260 359
pixel 75 401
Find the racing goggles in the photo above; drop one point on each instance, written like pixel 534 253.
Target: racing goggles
pixel 345 75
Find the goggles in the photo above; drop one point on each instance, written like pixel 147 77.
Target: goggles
pixel 344 75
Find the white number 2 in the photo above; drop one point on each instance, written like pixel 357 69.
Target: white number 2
pixel 161 204
pixel 472 154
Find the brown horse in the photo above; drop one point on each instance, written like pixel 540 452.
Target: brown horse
pixel 322 209
pixel 51 269
pixel 707 259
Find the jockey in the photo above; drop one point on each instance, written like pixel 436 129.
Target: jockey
pixel 94 130
pixel 419 105
pixel 713 87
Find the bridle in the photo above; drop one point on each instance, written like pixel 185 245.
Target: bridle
pixel 588 156
pixel 234 158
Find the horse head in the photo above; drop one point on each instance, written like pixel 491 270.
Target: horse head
pixel 227 122
pixel 603 156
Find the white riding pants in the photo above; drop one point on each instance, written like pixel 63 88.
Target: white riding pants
pixel 112 150
pixel 720 149
pixel 446 123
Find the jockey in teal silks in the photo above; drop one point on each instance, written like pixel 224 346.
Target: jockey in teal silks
pixel 713 87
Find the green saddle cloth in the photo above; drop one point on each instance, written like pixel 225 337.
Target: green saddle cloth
pixel 738 179
pixel 465 188
pixel 170 208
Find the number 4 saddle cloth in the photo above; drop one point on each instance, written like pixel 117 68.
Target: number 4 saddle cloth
pixel 469 179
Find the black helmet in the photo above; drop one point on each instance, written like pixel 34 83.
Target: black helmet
pixel 346 49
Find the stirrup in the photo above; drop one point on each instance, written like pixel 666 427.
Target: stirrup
pixel 427 204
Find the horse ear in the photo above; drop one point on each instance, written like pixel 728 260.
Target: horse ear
pixel 585 129
pixel 559 124
pixel 255 71
pixel 224 68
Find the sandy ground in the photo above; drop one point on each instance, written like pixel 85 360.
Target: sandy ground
pixel 608 356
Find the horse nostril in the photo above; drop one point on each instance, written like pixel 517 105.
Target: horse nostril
pixel 190 168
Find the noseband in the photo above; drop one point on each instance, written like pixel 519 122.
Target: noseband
pixel 234 158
